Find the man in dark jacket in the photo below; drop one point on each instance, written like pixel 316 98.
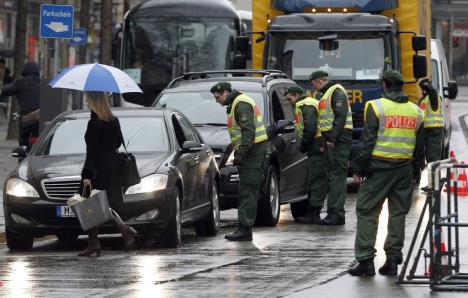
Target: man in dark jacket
pixel 336 125
pixel 308 134
pixel 391 150
pixel 27 92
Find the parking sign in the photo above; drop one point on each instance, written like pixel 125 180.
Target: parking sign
pixel 56 21
pixel 79 37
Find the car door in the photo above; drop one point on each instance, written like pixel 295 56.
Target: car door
pixel 200 179
pixel 293 164
pixel 187 164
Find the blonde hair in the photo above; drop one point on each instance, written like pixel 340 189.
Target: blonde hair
pixel 98 102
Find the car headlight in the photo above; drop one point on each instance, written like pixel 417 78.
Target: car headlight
pixel 148 184
pixel 230 159
pixel 20 188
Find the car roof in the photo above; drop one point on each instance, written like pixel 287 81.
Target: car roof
pixel 244 83
pixel 122 112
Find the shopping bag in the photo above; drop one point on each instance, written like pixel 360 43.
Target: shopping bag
pixel 93 211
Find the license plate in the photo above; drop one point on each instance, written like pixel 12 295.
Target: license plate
pixel 64 211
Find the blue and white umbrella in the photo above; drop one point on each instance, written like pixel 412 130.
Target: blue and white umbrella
pixel 95 77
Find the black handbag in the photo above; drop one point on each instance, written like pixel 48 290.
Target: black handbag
pixel 128 168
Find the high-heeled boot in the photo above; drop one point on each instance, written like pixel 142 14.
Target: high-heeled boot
pixel 128 233
pixel 93 244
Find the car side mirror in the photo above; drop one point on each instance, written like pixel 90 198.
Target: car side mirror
pixel 191 146
pixel 419 66
pixel 418 43
pixel 239 61
pixel 284 126
pixel 451 91
pixel 19 152
pixel 242 43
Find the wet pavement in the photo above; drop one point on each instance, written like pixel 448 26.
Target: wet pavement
pixel 290 260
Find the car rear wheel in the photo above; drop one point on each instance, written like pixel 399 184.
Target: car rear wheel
pixel 300 208
pixel 172 235
pixel 268 211
pixel 209 225
pixel 16 242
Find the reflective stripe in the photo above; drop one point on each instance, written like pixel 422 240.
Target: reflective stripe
pixel 234 128
pixel 398 124
pixel 326 115
pixel 299 118
pixel 433 118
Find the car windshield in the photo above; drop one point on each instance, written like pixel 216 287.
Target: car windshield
pixel 356 58
pixel 153 47
pixel 141 134
pixel 201 107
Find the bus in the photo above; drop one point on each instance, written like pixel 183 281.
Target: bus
pixel 163 39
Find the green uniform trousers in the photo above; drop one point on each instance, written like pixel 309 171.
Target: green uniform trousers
pixel 318 180
pixel 337 167
pixel 433 139
pixel 251 177
pixel 396 185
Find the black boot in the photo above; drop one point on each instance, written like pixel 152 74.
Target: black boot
pixel 128 233
pixel 241 234
pixel 332 220
pixel 363 268
pixel 312 217
pixel 93 244
pixel 390 267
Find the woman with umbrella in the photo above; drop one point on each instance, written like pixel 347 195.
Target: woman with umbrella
pixel 103 137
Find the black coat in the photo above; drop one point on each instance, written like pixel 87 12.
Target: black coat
pixel 26 88
pixel 103 138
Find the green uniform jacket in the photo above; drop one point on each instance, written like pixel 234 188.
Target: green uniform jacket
pixel 365 164
pixel 339 102
pixel 245 117
pixel 308 143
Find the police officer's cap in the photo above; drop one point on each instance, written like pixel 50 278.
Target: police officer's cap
pixel 220 87
pixel 393 77
pixel 294 89
pixel 318 74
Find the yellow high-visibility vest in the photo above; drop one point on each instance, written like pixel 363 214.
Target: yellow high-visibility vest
pixel 326 115
pixel 234 128
pixel 398 126
pixel 299 118
pixel 432 118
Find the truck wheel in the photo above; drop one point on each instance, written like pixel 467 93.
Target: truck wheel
pixel 300 208
pixel 209 225
pixel 172 235
pixel 16 242
pixel 268 210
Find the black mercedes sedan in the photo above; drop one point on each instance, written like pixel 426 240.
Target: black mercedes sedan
pixel 179 184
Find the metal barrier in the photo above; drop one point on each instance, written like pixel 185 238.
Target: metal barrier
pixel 443 272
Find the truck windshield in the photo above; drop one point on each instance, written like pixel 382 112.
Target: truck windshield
pixel 153 46
pixel 357 57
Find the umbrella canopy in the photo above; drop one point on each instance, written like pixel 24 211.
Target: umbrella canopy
pixel 95 77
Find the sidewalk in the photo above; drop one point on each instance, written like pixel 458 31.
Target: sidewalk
pixel 7 163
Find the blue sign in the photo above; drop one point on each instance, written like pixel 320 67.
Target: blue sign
pixel 56 21
pixel 79 37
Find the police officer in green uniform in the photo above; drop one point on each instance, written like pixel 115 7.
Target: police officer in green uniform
pixel 308 134
pixel 335 124
pixel 391 150
pixel 433 122
pixel 248 136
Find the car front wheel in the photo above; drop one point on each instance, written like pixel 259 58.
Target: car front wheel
pixel 172 235
pixel 16 242
pixel 209 225
pixel 268 211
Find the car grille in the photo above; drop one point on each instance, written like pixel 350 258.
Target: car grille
pixel 358 119
pixel 61 188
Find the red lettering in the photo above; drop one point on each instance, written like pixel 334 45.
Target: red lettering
pixel 400 122
pixel 322 105
pixel 423 106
